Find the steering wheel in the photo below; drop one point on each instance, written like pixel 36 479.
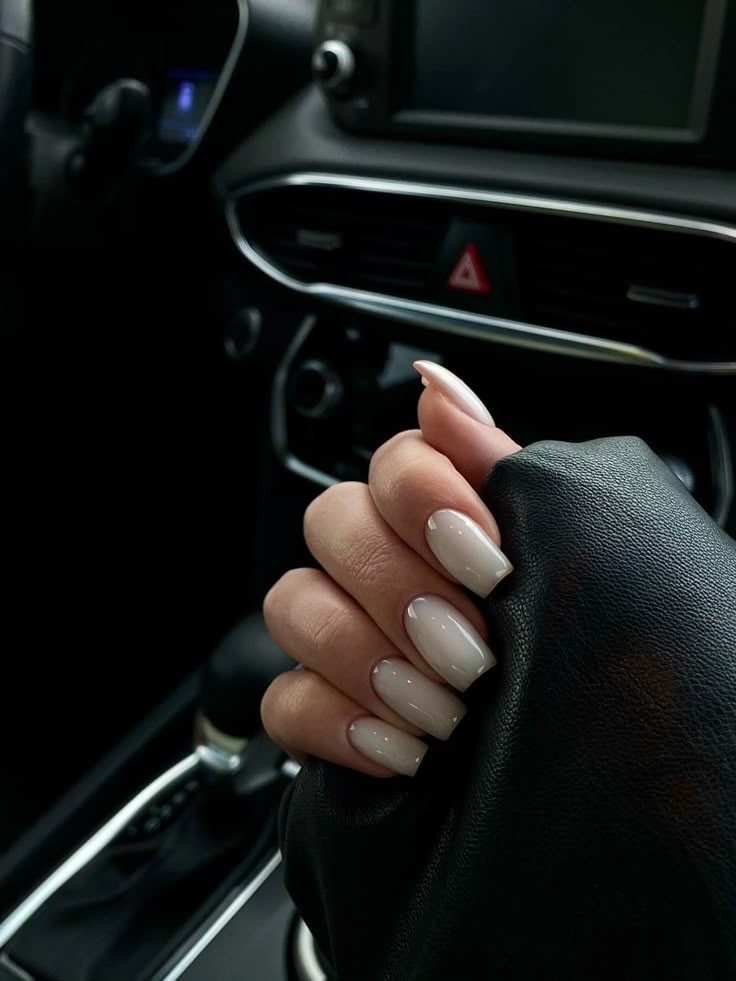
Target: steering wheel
pixel 16 28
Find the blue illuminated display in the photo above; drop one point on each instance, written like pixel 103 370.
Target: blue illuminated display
pixel 186 97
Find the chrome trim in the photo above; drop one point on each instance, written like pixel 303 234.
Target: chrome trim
pixel 219 762
pixel 345 59
pixel 279 409
pixel 496 329
pixel 333 389
pixel 12 968
pixel 291 769
pixel 208 736
pixel 241 32
pixel 92 847
pixel 306 962
pixel 231 910
pixel 722 464
pixel 654 297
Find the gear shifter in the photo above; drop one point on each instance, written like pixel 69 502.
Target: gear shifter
pixel 233 752
pixel 144 896
pixel 113 126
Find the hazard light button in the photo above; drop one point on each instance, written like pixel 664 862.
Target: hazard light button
pixel 469 275
pixel 478 269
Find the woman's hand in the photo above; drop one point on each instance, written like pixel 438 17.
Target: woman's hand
pixel 386 633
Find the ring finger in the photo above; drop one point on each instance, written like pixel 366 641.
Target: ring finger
pixel 426 617
pixel 321 627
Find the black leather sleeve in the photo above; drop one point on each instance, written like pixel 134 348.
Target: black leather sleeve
pixel 581 823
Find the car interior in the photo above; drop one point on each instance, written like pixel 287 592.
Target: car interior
pixel 229 228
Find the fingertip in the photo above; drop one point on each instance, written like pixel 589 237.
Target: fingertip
pixel 454 390
pixel 472 446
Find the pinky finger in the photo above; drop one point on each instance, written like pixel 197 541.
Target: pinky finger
pixel 306 716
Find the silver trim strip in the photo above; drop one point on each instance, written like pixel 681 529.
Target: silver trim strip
pixel 244 896
pixel 279 409
pixel 434 317
pixel 674 299
pixel 165 169
pixel 92 847
pixel 12 968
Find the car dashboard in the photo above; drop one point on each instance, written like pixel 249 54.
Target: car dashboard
pixel 296 229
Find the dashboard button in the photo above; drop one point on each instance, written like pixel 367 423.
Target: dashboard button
pixel 316 389
pixel 334 65
pixel 477 269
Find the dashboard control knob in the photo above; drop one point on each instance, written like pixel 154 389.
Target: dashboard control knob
pixel 316 389
pixel 334 65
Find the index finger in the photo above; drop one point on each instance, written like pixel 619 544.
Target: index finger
pixel 433 508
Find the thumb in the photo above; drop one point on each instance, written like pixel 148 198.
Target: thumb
pixel 456 423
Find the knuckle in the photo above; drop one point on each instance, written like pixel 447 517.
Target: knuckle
pixel 329 632
pixel 289 603
pixel 277 600
pixel 270 713
pixel 384 459
pixel 373 562
pixel 409 474
pixel 271 603
pixel 319 512
pixel 280 707
pixel 340 531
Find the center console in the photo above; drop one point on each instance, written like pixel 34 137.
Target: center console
pixel 346 385
pixel 189 864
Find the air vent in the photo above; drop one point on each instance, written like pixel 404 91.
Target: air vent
pixel 380 243
pixel 666 291
pixel 669 291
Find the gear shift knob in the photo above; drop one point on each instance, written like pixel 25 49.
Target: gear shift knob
pixel 235 680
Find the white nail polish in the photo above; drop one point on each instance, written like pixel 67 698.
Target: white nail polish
pixel 424 703
pixel 455 390
pixel 466 552
pixel 447 641
pixel 387 745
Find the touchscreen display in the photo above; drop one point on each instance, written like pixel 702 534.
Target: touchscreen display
pixel 617 63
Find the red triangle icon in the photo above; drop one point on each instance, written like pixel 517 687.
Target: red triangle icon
pixel 469 274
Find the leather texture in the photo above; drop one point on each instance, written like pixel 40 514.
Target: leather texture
pixel 581 823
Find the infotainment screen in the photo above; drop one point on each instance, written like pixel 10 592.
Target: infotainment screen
pixel 597 66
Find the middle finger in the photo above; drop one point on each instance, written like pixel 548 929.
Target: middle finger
pixel 426 617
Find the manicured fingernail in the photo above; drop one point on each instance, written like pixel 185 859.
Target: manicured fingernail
pixel 466 552
pixel 424 703
pixel 387 745
pixel 447 641
pixel 455 390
